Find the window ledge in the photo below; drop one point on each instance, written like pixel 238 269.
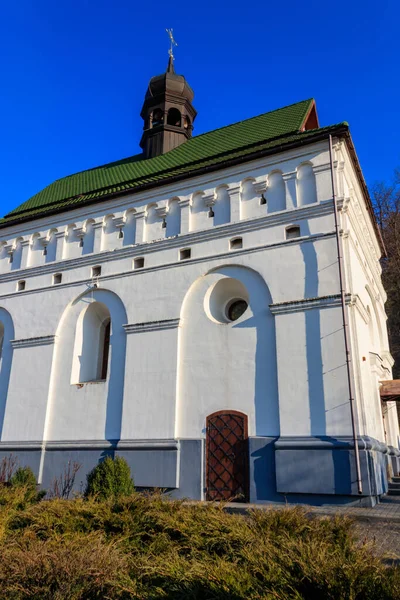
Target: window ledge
pixel 94 381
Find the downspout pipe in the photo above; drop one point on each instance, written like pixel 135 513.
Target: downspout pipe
pixel 345 322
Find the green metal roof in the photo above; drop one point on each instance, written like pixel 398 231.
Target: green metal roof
pixel 239 140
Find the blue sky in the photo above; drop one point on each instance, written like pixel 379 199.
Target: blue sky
pixel 75 73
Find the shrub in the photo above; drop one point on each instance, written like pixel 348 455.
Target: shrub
pixel 25 478
pixel 78 567
pixel 110 479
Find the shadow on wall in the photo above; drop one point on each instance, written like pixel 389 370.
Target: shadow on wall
pixel 315 370
pixel 266 374
pixel 6 354
pixel 313 340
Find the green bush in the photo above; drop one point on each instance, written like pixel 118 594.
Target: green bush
pixel 144 547
pixel 110 479
pixel 25 478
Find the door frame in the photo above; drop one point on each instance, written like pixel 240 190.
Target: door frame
pixel 246 462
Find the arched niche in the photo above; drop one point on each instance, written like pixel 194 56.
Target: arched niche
pixel 79 411
pixel 4 258
pixel 276 192
pixel 227 352
pixel 35 256
pixel 92 344
pixel 249 200
pixel 157 117
pixel 51 246
pixel 88 238
pixel 374 325
pixel 17 254
pixel 71 247
pixel 222 206
pixel 130 227
pixel 306 185
pixel 173 218
pixel 153 224
pixel 109 235
pixel 174 117
pixel 6 355
pixel 198 218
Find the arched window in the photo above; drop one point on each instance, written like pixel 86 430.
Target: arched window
pixel 92 344
pixel 186 122
pixel 158 117
pixel 174 117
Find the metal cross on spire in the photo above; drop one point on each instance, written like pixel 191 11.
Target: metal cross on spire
pixel 173 43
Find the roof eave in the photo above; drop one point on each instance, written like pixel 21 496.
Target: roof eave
pixel 364 188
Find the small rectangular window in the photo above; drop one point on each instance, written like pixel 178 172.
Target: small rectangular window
pixel 96 271
pixel 138 263
pixel 235 243
pixel 57 278
pixel 21 286
pixel 292 232
pixel 184 254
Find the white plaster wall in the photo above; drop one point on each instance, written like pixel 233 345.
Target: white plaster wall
pixel 370 350
pixel 227 365
pixel 25 407
pixel 142 401
pixel 150 385
pixel 313 392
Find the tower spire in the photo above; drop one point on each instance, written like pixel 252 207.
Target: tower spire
pixel 172 44
pixel 170 67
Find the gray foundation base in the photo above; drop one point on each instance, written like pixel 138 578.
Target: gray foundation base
pixel 306 470
pixel 172 465
pixel 326 466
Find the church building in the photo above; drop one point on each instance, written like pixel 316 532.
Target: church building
pixel 210 309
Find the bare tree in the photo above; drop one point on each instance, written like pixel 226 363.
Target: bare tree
pixel 63 485
pixel 8 465
pixel 386 202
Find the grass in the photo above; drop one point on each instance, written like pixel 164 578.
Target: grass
pixel 144 547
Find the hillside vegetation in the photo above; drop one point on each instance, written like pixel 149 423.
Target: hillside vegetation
pixel 146 547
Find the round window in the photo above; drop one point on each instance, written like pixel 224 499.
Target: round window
pixel 226 300
pixel 235 309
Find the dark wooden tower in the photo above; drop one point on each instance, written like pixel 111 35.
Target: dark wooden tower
pixel 167 112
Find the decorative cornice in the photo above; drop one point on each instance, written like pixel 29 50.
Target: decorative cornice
pixel 151 326
pixel 229 229
pixel 36 341
pixel 307 303
pixel 143 250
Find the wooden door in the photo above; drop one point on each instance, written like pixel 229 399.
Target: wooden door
pixel 227 457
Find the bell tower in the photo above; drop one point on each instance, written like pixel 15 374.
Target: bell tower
pixel 168 112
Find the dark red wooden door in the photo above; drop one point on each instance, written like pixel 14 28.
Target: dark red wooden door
pixel 227 461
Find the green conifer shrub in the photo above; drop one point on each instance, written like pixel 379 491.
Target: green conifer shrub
pixel 25 478
pixel 110 479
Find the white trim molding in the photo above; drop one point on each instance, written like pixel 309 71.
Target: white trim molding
pixel 45 340
pixel 307 303
pixel 152 326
